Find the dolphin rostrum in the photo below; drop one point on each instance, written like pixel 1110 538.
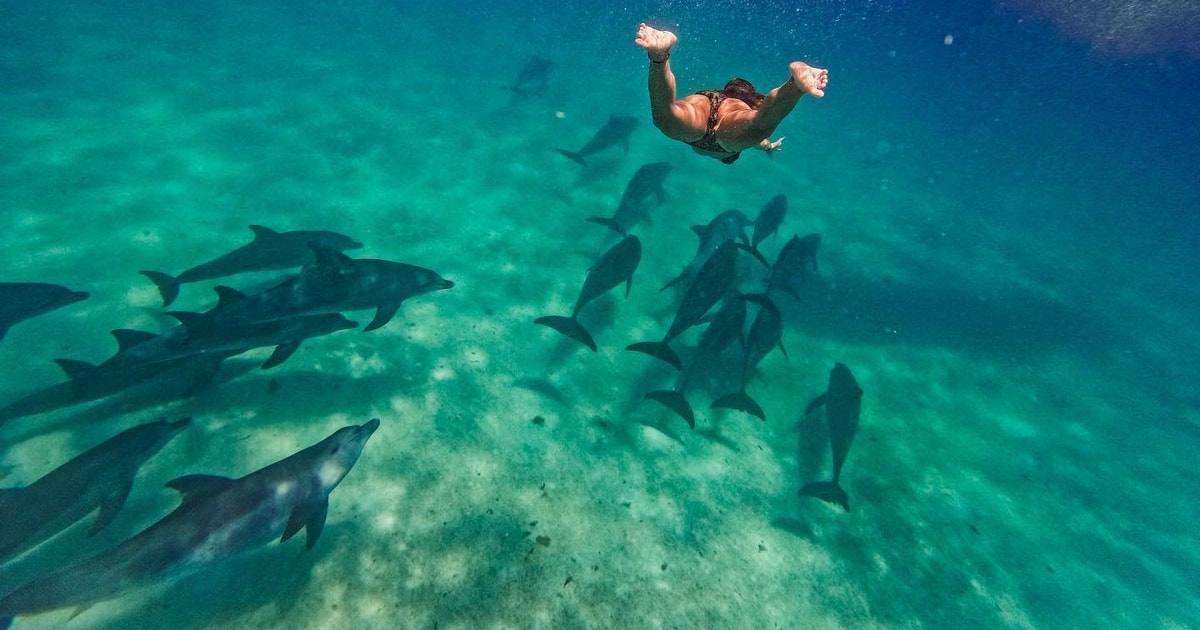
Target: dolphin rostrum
pixel 843 401
pixel 21 300
pixel 100 477
pixel 614 267
pixel 218 518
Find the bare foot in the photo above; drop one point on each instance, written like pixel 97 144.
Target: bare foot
pixel 657 43
pixel 810 80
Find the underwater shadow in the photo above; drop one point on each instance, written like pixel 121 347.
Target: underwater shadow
pixel 1010 322
pixel 216 596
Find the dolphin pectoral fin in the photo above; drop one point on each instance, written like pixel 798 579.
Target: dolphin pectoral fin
pixel 674 281
pixel 109 508
pixel 79 610
pixel 310 516
pixel 675 401
pixel 608 223
pixel 570 327
pixel 194 487
pixel 168 286
pixel 316 524
pixel 574 156
pixel 383 315
pixel 296 521
pixel 758 255
pixel 282 353
pixel 827 491
pixel 816 402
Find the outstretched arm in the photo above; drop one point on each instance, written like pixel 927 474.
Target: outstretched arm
pixel 673 117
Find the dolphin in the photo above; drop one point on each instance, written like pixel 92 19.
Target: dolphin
pixel 218 518
pixel 86 382
pixel 843 402
pixel 20 301
pixel 334 282
pixel 269 250
pixel 532 78
pixel 766 332
pixel 195 335
pixel 724 328
pixel 713 282
pixel 643 193
pixel 101 477
pixel 791 266
pixel 615 131
pixel 614 267
pixel 727 226
pixel 767 224
pixel 193 350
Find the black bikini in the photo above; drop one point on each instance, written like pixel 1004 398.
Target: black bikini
pixel 708 142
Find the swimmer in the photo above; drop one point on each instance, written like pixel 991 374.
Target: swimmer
pixel 722 123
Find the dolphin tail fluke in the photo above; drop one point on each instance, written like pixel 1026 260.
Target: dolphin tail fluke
pixel 608 223
pixel 570 327
pixel 675 401
pixel 659 350
pixel 827 491
pixel 573 156
pixel 742 402
pixel 168 285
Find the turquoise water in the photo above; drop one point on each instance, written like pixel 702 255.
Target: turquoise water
pixel 1007 205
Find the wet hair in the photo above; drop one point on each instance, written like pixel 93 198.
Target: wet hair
pixel 742 90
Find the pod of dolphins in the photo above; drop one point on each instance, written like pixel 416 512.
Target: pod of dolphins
pixel 728 289
pixel 218 517
pixel 716 286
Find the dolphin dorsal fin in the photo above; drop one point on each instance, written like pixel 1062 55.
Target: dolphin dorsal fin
pixel 262 231
pixel 228 295
pixel 326 256
pixel 128 338
pixel 190 320
pixel 194 487
pixel 74 368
